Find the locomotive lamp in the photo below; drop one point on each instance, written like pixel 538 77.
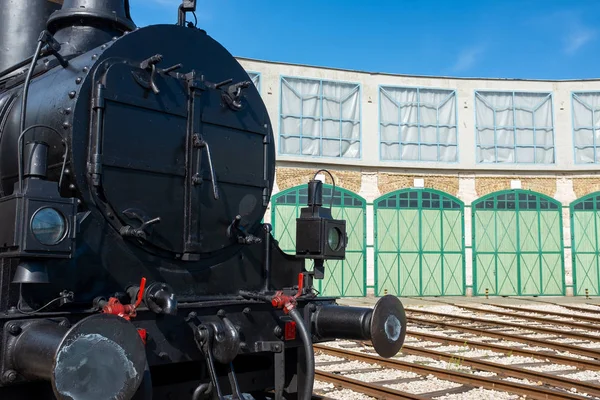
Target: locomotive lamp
pixel 318 235
pixel 38 222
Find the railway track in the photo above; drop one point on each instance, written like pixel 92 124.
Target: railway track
pixel 595 320
pixel 591 353
pixel 575 325
pixel 370 389
pixel 555 358
pixel 550 331
pixel 471 380
pixel 510 378
pixel 569 307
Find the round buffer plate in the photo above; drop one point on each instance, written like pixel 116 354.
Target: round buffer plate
pixel 388 326
pixel 101 357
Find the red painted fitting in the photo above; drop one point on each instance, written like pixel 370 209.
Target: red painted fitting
pixel 143 334
pixel 126 311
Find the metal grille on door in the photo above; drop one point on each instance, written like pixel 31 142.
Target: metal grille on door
pixel 585 221
pixel 419 244
pixel 517 244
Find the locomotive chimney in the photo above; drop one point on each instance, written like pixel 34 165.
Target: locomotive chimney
pixel 82 25
pixel 20 25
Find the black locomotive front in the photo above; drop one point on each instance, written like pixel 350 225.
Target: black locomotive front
pixel 136 165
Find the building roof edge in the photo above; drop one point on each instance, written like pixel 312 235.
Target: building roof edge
pixel 416 76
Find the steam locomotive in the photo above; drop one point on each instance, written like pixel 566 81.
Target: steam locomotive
pixel 136 165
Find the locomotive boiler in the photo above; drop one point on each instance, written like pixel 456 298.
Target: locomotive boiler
pixel 136 165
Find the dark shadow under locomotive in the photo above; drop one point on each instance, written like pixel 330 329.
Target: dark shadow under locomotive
pixel 136 165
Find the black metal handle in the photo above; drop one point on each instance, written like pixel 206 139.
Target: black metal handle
pixel 201 143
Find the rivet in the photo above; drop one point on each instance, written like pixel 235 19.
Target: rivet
pixel 94 56
pixel 221 313
pixel 78 201
pixel 14 328
pixel 115 37
pixel 9 376
pixel 72 93
pixel 68 110
pixel 71 186
pixel 163 355
pixel 278 331
pixel 67 171
pixel 85 69
pixel 247 310
pixel 66 125
pixel 103 47
pixel 78 80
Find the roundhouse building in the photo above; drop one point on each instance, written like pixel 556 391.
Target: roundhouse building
pixel 449 186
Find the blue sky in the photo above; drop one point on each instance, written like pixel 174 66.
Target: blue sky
pixel 540 39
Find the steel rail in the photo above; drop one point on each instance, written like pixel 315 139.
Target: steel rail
pixel 550 331
pixel 531 392
pixel 370 389
pixel 479 310
pixel 526 317
pixel 507 370
pixel 515 338
pixel 553 313
pixel 555 358
pixel 569 307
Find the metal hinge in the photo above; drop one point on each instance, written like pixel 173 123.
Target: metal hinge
pixel 193 82
pixel 98 100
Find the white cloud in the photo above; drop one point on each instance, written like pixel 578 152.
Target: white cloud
pixel 574 32
pixel 579 37
pixel 467 58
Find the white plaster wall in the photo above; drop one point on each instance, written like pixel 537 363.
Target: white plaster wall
pixel 565 194
pixel 369 191
pixel 272 72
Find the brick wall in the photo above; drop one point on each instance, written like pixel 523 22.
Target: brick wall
pixel 389 182
pixel 489 184
pixel 290 177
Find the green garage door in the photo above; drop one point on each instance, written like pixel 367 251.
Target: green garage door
pixel 585 220
pixel 419 244
pixel 517 244
pixel 342 278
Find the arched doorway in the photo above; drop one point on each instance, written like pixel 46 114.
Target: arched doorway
pixel 517 244
pixel 585 221
pixel 347 278
pixel 419 244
